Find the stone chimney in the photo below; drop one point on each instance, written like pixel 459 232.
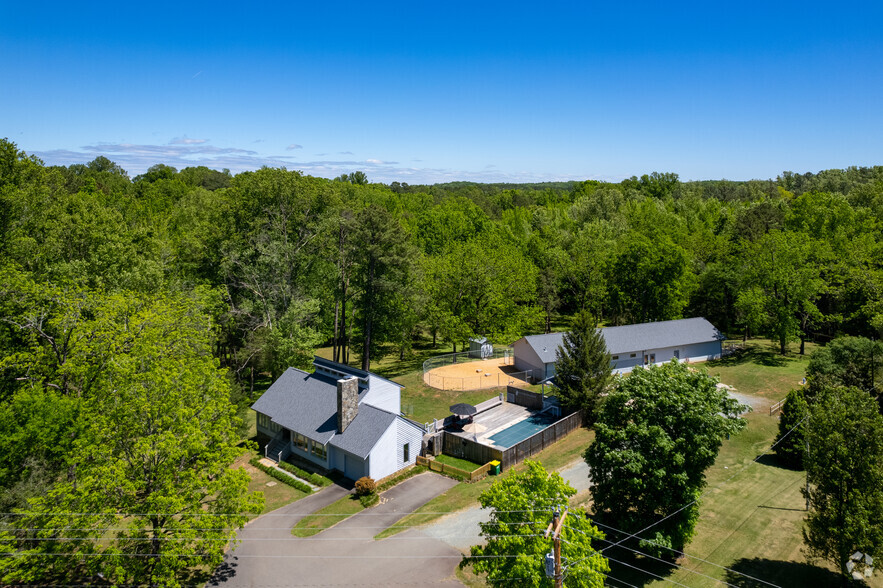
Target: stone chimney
pixel 347 402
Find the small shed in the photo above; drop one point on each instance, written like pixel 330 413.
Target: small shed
pixel 479 348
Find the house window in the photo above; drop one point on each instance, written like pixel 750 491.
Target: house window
pixel 407 451
pixel 633 355
pixel 317 449
pixel 267 423
pixel 299 441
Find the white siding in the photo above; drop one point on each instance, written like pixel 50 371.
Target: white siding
pixel 412 435
pixel 383 394
pixel 382 460
pixel 352 467
pixel 694 352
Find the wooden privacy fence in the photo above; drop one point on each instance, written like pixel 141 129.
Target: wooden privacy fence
pixel 533 445
pixel 525 398
pixel 468 449
pixel 444 468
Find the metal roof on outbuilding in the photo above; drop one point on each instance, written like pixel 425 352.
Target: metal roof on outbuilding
pixel 631 338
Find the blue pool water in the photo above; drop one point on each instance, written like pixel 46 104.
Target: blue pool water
pixel 521 430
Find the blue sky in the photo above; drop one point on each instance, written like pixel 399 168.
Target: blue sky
pixel 425 92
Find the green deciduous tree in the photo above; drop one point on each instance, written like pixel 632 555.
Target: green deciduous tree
pixel 656 434
pixel 521 506
pixel 147 493
pixel 651 280
pixel 847 361
pixel 781 283
pixel 582 368
pixel 844 467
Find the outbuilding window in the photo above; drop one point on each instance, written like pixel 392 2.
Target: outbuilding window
pixel 407 451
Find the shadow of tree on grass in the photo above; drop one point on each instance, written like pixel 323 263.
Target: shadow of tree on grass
pixel 765 356
pixel 783 573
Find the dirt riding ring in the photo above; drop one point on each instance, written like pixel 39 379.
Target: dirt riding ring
pixel 468 370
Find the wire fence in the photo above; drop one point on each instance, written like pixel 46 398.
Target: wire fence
pixel 506 353
pixel 473 370
pixel 479 381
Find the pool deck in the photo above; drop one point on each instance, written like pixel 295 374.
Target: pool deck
pixel 490 422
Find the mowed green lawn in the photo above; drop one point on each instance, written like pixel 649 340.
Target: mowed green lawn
pixel 752 513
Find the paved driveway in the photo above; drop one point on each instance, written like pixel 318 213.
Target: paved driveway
pixel 346 554
pixel 461 529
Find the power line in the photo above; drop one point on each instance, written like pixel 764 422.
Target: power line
pixel 594 522
pixel 258 556
pixel 188 529
pixel 648 573
pixel 659 559
pixel 688 505
pixel 269 514
pixel 608 577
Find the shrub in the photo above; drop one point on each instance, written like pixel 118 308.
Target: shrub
pixel 312 478
pixel 282 477
pixel 365 486
pixel 369 500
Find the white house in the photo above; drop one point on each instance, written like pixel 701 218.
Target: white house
pixel 692 339
pixel 340 418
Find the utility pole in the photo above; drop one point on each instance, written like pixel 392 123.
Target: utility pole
pixel 555 530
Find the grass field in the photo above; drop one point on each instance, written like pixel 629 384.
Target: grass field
pixel 328 516
pixel 463 464
pixel 276 494
pixel 751 514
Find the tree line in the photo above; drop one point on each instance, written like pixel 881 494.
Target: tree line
pixel 105 275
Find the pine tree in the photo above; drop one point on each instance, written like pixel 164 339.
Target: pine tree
pixel 583 369
pixel 790 449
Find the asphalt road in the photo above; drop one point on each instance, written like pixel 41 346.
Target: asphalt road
pixel 345 554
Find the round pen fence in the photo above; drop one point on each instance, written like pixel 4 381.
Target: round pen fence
pixel 504 353
pixel 468 370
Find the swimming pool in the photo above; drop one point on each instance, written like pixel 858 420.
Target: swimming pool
pixel 521 430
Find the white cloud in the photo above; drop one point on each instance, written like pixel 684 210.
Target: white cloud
pixel 187 141
pixel 294 146
pixel 136 159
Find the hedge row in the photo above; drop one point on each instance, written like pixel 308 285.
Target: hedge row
pixel 386 485
pixel 312 478
pixel 284 478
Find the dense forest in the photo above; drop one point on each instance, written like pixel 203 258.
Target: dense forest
pixel 205 280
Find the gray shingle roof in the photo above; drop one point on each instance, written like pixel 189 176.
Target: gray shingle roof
pixel 546 345
pixel 365 431
pixel 303 402
pixel 639 337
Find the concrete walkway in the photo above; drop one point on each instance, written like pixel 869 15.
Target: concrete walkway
pixel 345 554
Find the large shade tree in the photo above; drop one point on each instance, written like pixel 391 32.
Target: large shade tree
pixel 145 491
pixel 522 505
pixel 656 434
pixel 844 467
